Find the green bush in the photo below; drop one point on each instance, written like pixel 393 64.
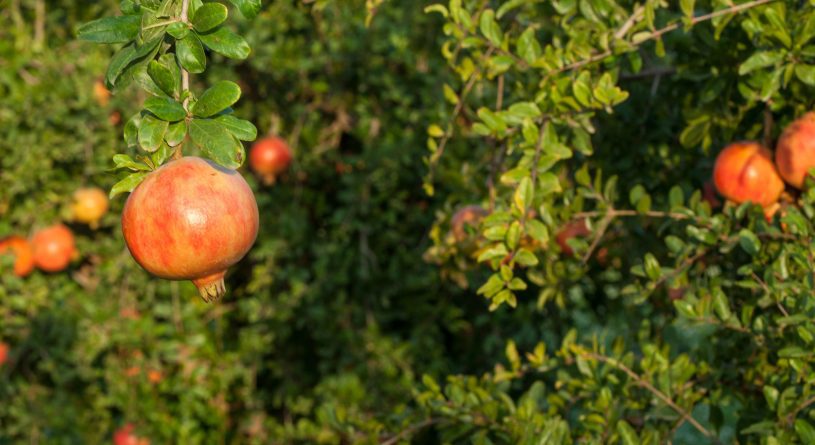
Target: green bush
pixel 362 315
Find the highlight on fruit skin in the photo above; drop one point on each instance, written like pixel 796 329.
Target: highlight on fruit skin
pixel 54 248
pixel 191 219
pixel 471 216
pixel 269 157
pixel 89 206
pixel 23 253
pixel 744 171
pixel 795 150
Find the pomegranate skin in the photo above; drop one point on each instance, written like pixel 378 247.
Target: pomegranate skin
pixel 23 254
pixel 470 215
pixel 191 220
pixel 3 353
pixel 795 151
pixel 54 248
pixel 578 228
pixel 269 157
pixel 744 171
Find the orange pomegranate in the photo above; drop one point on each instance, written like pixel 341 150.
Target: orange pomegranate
pixel 470 215
pixel 269 157
pixel 191 220
pixel 23 254
pixel 100 93
pixel 90 205
pixel 795 151
pixel 575 228
pixel 53 248
pixel 3 353
pixel 744 171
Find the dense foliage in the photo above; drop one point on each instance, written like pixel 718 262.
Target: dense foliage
pixel 366 313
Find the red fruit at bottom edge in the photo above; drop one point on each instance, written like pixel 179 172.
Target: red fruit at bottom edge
pixel 125 436
pixel 269 157
pixel 191 220
pixel 23 254
pixel 3 353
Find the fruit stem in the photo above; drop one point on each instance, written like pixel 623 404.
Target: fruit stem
pixel 212 287
pixel 185 75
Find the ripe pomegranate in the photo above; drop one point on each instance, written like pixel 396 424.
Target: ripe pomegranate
pixel 191 220
pixel 470 215
pixel 100 93
pixel 125 436
pixel 795 151
pixel 269 157
pixel 90 205
pixel 3 353
pixel 744 171
pixel 23 254
pixel 572 229
pixel 53 248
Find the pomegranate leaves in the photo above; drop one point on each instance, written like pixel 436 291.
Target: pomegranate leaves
pixel 164 42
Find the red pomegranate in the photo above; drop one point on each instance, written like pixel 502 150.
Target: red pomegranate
pixel 471 216
pixel 191 220
pixel 53 248
pixel 269 157
pixel 126 436
pixel 23 254
pixel 744 171
pixel 3 353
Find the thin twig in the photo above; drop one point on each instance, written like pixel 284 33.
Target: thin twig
pixel 185 75
pixel 651 388
pixel 735 9
pixel 409 431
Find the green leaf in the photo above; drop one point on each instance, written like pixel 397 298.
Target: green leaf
pixel 119 62
pixel 165 74
pixel 111 29
pixel 217 142
pixel 178 30
pixel 528 46
pixel 151 133
pixel 131 131
pixel 720 304
pixel 175 133
pixel 217 98
pixel 125 161
pixel 489 27
pixel 525 258
pixel 190 54
pixel 494 285
pixel 749 242
pixel 652 268
pixel 524 194
pixel 241 129
pixel 760 59
pixel 249 8
pixel 226 43
pixel 627 433
pixel 128 184
pixel 805 431
pixel 805 73
pixel 165 108
pixel 209 16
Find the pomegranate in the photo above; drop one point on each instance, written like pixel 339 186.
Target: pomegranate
pixel 3 353
pixel 744 171
pixel 269 157
pixel 191 220
pixel 53 248
pixel 125 436
pixel 90 205
pixel 100 93
pixel 21 249
pixel 795 151
pixel 572 229
pixel 470 215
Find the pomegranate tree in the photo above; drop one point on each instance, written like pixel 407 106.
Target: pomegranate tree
pixel 191 220
pixel 269 157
